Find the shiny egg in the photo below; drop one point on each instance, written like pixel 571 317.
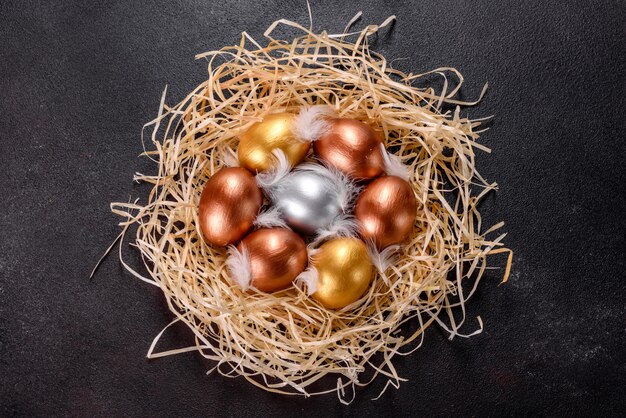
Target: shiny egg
pixel 273 132
pixel 353 147
pixel 344 272
pixel 229 205
pixel 386 211
pixel 276 257
pixel 308 200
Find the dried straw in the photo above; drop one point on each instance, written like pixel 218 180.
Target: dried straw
pixel 285 342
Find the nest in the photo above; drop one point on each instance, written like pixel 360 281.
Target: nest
pixel 285 342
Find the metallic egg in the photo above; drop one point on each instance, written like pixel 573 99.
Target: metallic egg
pixel 276 255
pixel 344 272
pixel 307 200
pixel 386 211
pixel 353 147
pixel 274 131
pixel 228 206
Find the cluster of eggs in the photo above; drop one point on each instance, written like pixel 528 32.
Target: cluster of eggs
pixel 311 202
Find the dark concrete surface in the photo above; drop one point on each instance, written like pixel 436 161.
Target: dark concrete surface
pixel 79 79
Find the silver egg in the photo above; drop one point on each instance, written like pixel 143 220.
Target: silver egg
pixel 308 199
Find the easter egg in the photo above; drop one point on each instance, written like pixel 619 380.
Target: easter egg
pixel 309 198
pixel 386 211
pixel 353 147
pixel 344 272
pixel 273 132
pixel 228 206
pixel 275 256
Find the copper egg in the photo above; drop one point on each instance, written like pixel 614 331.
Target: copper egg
pixel 229 204
pixel 353 147
pixel 276 255
pixel 386 211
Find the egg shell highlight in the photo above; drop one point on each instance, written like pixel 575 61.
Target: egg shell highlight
pixel 228 205
pixel 276 256
pixel 353 147
pixel 386 211
pixel 273 132
pixel 344 272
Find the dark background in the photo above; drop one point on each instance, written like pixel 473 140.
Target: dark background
pixel 79 79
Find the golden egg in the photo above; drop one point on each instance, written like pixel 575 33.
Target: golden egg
pixel 344 272
pixel 229 205
pixel 353 147
pixel 273 132
pixel 276 256
pixel 386 211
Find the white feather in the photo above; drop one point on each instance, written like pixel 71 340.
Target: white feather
pixel 270 218
pixel 229 157
pixel 311 251
pixel 309 278
pixel 238 263
pixel 342 226
pixel 267 180
pixel 394 165
pixel 312 122
pixel 384 259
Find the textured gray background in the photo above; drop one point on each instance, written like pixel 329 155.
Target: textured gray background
pixel 78 80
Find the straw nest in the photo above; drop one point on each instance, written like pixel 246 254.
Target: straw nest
pixel 285 342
